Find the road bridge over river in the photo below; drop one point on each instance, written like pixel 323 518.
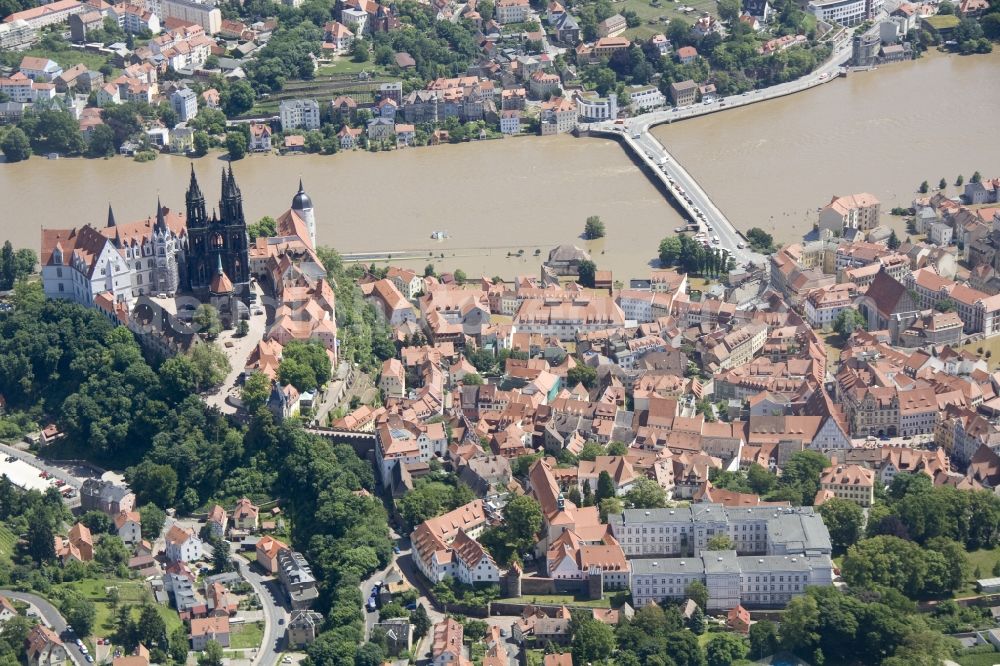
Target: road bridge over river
pixel 634 133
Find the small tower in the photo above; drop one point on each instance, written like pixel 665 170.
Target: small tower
pixel 303 206
pixel 166 275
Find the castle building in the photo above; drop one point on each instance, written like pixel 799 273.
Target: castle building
pixel 219 240
pixel 124 261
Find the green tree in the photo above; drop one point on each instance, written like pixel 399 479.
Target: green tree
pixel 421 621
pixel 726 649
pixel 720 542
pixel 698 593
pixel 523 519
pixel 201 143
pixel 255 392
pixel 843 518
pixel 15 145
pixel 237 98
pixel 646 494
pixel 101 142
pixel 153 483
pixel 207 321
pixel 593 641
pixel 670 250
pixel 97 522
pixel 610 506
pixel 847 321
pixel 369 654
pixel 590 450
pixel 697 622
pixel 945 305
pixel 893 240
pixel 210 365
pixel 153 518
pixel 236 144
pixel 763 639
pixel 594 228
pixel 924 187
pixel 760 240
pixel 588 271
pixel 151 630
pixel 111 552
pixel 359 51
pixel 605 487
pixel 79 612
pixel 41 535
pixel 729 11
pixel 942 184
pixel 212 655
pixel 305 365
pixel 460 276
pixel 265 227
pixel 760 479
pixel 53 131
pixel 582 374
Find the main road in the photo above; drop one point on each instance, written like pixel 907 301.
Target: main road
pixel 685 190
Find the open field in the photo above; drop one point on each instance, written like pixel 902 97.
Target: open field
pixel 70 57
pixel 983 659
pixel 984 560
pixel 129 591
pixel 667 9
pixel 248 635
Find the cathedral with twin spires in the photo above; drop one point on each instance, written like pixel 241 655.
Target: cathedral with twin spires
pixel 217 246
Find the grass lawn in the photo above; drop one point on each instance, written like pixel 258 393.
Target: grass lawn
pixel 69 57
pixel 342 65
pixel 987 659
pixel 560 599
pixel 248 635
pixel 985 560
pixel 129 591
pixel 942 21
pixel 667 9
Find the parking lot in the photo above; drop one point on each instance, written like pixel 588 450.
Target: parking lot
pixel 26 476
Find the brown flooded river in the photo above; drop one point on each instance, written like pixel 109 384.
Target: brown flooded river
pixel 769 165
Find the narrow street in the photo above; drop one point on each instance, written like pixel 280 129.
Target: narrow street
pixel 54 619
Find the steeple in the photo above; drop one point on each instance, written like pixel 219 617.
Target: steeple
pixel 161 224
pixel 111 216
pixel 195 203
pixel 231 205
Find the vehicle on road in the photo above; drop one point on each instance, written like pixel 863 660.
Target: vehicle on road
pixel 396 550
pixel 715 240
pixel 741 245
